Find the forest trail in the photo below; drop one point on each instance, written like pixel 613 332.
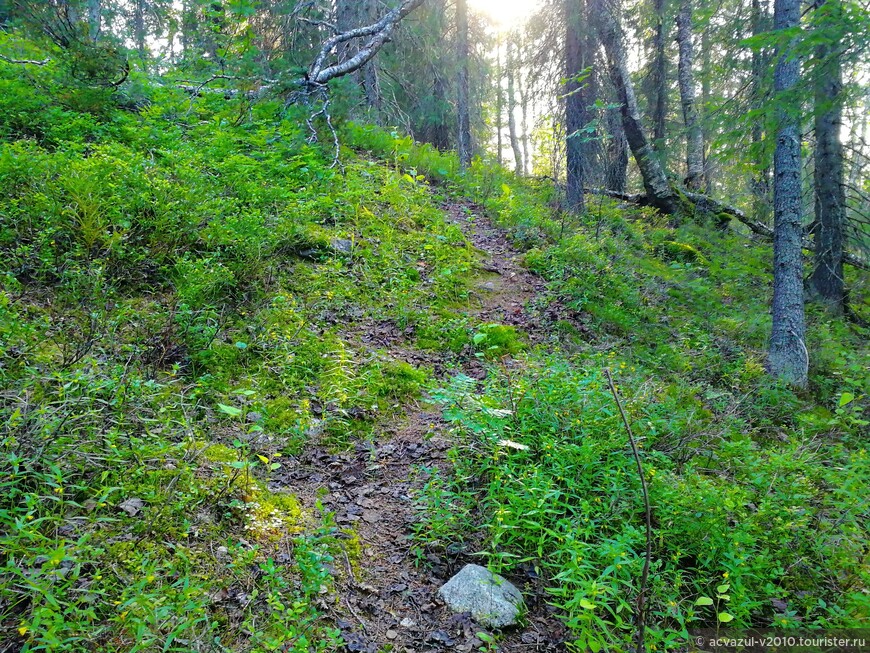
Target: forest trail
pixel 386 585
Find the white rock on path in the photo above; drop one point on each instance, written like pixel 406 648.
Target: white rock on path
pixel 491 600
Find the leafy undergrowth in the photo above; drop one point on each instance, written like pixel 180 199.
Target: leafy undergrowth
pixel 180 305
pixel 184 290
pixel 759 495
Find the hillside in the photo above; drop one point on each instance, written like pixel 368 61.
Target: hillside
pixel 255 401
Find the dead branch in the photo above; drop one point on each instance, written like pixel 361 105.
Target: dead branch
pixel 24 62
pixel 380 33
pixel 715 206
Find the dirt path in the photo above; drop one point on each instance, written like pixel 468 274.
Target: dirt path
pixel 386 586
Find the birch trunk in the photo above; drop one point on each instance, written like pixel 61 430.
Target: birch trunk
pixel 788 356
pixel 512 107
pixel 462 107
pixel 498 102
pixel 95 11
pixel 691 119
pixel 574 109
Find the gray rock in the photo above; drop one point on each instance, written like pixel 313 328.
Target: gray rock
pixel 490 599
pixel 341 246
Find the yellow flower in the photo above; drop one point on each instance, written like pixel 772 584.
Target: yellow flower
pixel 22 631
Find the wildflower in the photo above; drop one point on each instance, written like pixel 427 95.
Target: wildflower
pixel 22 631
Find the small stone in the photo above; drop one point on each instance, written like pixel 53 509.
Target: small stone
pixel 392 634
pixel 222 553
pixel 407 623
pixel 341 245
pixel 491 600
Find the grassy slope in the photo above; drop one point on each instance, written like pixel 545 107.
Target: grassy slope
pixel 178 309
pixel 759 495
pixel 176 312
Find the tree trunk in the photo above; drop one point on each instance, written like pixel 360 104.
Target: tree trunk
pixel 574 109
pixel 498 102
pixel 524 124
pixel 788 356
pixel 368 75
pixel 658 188
pixel 691 120
pixel 351 14
pixel 592 154
pixel 659 77
pixel 95 11
pixel 760 184
pixel 705 108
pixel 139 29
pixel 462 104
pixel 512 107
pixel 826 281
pixel 616 172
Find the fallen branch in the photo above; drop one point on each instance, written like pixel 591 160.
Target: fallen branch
pixel 380 33
pixel 714 206
pixel 763 230
pixel 24 62
pixel 319 73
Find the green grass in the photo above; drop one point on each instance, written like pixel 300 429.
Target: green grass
pixel 179 310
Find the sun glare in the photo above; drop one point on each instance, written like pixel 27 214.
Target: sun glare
pixel 505 14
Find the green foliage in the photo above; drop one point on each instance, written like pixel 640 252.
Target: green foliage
pixel 178 307
pixel 550 463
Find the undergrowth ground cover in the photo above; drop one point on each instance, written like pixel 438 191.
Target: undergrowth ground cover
pixel 759 495
pixel 182 287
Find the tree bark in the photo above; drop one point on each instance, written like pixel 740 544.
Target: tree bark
pixel 760 183
pixel 349 15
pixel 524 125
pixel 705 108
pixel 659 77
pixel 378 33
pixel 139 28
pixel 574 109
pixel 694 137
pixel 462 104
pixel 826 282
pixel 659 190
pixel 499 109
pixel 95 14
pixel 512 107
pixel 616 171
pixel 788 356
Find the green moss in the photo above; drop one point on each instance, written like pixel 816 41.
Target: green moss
pixel 220 453
pixel 671 250
pixel 497 340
